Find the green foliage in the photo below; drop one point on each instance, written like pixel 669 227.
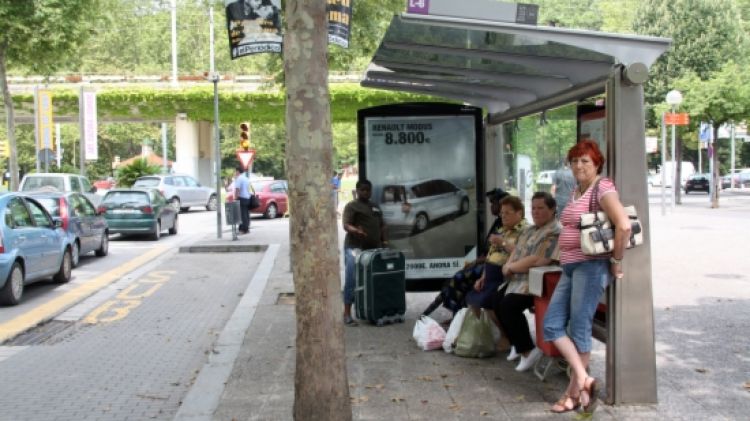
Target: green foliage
pixel 148 103
pixel 720 99
pixel 127 174
pixel 705 33
pixel 39 36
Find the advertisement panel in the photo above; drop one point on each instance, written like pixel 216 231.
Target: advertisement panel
pixel 90 126
pixel 254 26
pixel 424 174
pixel 339 22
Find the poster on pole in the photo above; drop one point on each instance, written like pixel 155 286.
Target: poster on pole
pixel 44 120
pixel 254 26
pixel 339 22
pixel 90 126
pixel 423 164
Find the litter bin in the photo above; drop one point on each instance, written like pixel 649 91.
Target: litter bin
pixel 232 212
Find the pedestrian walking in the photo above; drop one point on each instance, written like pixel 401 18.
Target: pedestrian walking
pixel 242 192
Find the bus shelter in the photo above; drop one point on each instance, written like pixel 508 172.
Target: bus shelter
pixel 543 89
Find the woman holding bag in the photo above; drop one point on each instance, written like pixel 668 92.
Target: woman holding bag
pixel 584 278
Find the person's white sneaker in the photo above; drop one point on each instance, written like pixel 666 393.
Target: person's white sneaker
pixel 528 362
pixel 513 354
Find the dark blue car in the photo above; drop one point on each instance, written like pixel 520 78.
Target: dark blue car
pixel 33 247
pixel 87 230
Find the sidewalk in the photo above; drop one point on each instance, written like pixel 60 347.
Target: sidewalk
pixel 703 363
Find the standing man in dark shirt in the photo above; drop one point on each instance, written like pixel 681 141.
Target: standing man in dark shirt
pixel 363 223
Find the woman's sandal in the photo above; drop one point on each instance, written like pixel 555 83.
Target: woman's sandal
pixel 593 394
pixel 561 406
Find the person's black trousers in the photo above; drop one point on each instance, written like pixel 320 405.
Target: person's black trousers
pixel 245 214
pixel 509 310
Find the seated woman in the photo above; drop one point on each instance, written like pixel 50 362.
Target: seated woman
pixel 453 294
pixel 537 246
pixel 502 243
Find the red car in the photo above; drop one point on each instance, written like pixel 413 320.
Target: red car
pixel 274 201
pixel 272 194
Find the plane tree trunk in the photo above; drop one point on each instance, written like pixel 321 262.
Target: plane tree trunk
pixel 321 390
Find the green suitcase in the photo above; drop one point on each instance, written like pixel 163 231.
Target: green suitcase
pixel 380 291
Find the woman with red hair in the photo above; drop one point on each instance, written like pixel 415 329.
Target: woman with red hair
pixel 570 315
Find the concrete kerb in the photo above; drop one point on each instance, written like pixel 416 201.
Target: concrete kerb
pixel 203 398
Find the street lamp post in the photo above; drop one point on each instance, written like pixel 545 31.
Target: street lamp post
pixel 214 77
pixel 674 98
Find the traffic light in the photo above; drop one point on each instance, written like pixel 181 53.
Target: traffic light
pixel 245 136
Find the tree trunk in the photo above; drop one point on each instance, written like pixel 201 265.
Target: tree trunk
pixel 321 390
pixel 10 123
pixel 715 179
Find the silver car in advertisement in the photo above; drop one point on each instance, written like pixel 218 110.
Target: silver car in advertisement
pixel 414 206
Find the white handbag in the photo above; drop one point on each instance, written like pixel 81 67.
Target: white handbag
pixel 597 232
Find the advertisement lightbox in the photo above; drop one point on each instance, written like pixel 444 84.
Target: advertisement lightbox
pixel 423 160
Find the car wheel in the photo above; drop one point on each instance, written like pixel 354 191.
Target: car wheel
pixel 63 275
pixel 12 291
pixel 175 203
pixel 271 211
pixel 157 232
pixel 212 202
pixel 687 191
pixel 421 222
pixel 464 206
pixel 76 255
pixel 103 249
pixel 173 230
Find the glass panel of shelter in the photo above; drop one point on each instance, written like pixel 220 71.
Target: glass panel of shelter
pixel 530 149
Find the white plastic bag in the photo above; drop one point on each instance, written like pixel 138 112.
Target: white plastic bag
pixel 453 330
pixel 428 333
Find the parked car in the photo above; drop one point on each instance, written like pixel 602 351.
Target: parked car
pixel 138 211
pixel 411 207
pixel 742 178
pixel 697 182
pixel 60 182
pixel 33 247
pixel 273 197
pixel 182 191
pixel 87 230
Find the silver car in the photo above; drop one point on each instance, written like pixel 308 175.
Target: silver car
pixel 182 191
pixel 412 207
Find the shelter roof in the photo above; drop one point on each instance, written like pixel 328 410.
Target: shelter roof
pixel 499 66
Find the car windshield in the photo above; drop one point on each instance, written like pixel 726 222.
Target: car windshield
pixel 146 182
pixel 52 205
pixel 123 197
pixel 36 183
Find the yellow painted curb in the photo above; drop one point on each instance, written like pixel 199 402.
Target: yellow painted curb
pixel 55 306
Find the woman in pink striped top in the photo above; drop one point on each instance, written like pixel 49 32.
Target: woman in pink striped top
pixel 584 278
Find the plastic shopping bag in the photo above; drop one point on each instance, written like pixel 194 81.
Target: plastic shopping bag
pixel 453 330
pixel 428 333
pixel 475 339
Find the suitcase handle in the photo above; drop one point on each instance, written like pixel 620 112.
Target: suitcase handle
pixel 390 254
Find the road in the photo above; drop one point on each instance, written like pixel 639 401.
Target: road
pixel 138 327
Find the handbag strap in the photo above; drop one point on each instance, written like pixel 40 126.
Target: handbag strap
pixel 594 199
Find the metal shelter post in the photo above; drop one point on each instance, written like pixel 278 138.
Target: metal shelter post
pixel 631 357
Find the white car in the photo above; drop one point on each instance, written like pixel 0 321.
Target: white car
pixel 181 191
pixel 412 207
pixel 59 182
